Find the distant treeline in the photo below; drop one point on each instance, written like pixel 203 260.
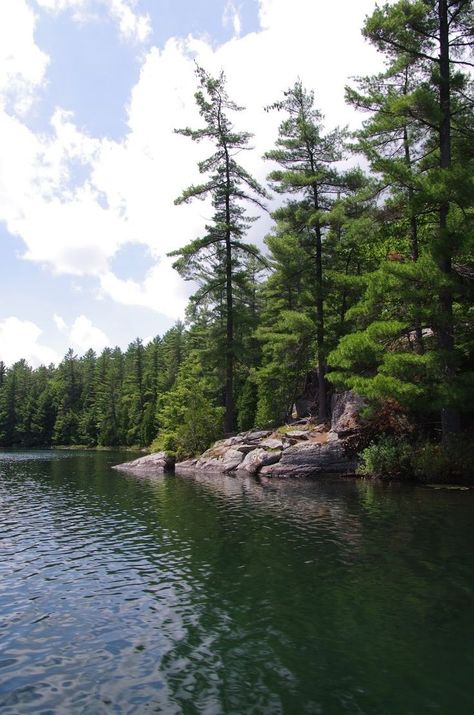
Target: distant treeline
pixel 95 400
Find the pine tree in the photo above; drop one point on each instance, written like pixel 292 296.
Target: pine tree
pixel 308 160
pixel 88 414
pixel 188 416
pixel 111 424
pixel 69 388
pixel 433 38
pixel 215 259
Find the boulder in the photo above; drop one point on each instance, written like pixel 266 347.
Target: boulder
pixel 245 448
pixel 345 410
pixel 230 441
pixel 274 443
pixel 156 463
pixel 289 470
pixel 309 459
pixel 257 435
pixel 214 460
pixel 259 458
pixel 187 465
pixel 297 433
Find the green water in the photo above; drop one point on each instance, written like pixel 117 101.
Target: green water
pixel 222 595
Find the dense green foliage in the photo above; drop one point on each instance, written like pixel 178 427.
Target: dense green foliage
pixel 396 457
pixel 387 458
pixel 367 281
pixel 109 399
pixel 410 339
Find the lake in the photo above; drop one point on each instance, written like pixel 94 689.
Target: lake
pixel 224 595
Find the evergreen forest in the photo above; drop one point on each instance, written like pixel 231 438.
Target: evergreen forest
pixel 365 281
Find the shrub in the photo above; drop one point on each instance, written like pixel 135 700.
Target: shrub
pixel 442 463
pixel 189 420
pixel 389 457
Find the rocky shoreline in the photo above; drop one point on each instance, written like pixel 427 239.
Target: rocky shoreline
pixel 301 449
pixel 305 451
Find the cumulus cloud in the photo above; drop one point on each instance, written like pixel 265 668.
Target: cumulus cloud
pixel 127 196
pixel 85 335
pixel 70 228
pixel 60 323
pixel 231 18
pixel 82 334
pixel 22 63
pixel 162 290
pixel 132 26
pixel 19 339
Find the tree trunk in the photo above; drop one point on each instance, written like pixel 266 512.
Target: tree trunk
pixel 322 391
pixel 419 347
pixel 322 396
pixel 229 365
pixel 229 418
pixel 450 420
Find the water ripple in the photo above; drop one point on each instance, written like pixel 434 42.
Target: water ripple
pixel 223 595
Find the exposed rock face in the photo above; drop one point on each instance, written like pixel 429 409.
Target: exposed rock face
pixel 312 458
pixel 272 443
pixel 255 436
pixel 307 452
pixel 219 458
pixel 150 464
pixel 301 449
pixel 259 458
pixel 297 434
pixel 226 463
pixel 346 408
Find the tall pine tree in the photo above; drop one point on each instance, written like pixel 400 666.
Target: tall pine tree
pixel 215 260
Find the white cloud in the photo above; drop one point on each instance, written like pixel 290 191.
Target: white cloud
pixel 132 26
pixel 129 192
pixel 85 335
pixel 60 323
pixel 231 18
pixel 82 334
pixel 19 339
pixel 22 63
pixel 69 228
pixel 162 290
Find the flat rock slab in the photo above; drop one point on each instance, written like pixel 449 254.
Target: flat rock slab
pixel 156 463
pixel 297 433
pixel 259 458
pixel 257 435
pixel 311 458
pixel 187 465
pixel 213 461
pixel 245 448
pixel 274 443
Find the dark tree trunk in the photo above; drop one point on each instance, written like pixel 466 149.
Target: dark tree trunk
pixel 419 347
pixel 229 361
pixel 229 366
pixel 322 396
pixel 450 420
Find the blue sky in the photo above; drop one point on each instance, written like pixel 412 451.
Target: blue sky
pixel 90 91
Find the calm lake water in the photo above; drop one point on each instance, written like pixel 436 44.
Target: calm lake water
pixel 221 595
